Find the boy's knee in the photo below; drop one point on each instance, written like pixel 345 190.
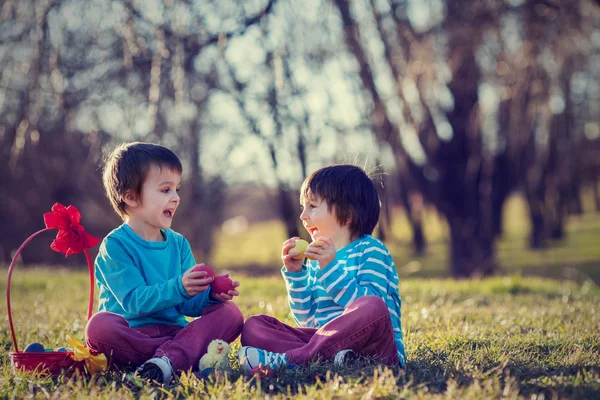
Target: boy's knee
pixel 233 314
pixel 251 329
pixel 374 305
pixel 253 322
pixel 103 323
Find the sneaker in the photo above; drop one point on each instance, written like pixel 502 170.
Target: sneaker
pixel 344 357
pixel 251 357
pixel 157 369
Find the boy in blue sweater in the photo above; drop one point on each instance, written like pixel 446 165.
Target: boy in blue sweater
pixel 345 297
pixel 144 273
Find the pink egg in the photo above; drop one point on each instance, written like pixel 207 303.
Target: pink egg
pixel 222 284
pixel 209 272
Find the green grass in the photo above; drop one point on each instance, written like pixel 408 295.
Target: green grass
pixel 518 335
pixel 505 337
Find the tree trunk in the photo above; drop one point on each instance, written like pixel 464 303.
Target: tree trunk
pixel 575 205
pixel 497 216
pixel 500 193
pixel 597 190
pixel 419 243
pixel 386 199
pixel 288 211
pixel 558 227
pixel 467 167
pixel 414 213
pixel 200 227
pixel 471 254
pixel 537 238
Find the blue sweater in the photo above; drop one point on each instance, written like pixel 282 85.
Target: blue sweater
pixel 364 267
pixel 141 280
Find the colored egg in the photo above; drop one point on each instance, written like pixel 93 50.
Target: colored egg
pixel 299 247
pixel 34 348
pixel 222 284
pixel 209 272
pixel 61 349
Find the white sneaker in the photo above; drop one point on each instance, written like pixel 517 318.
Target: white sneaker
pixel 344 357
pixel 251 357
pixel 157 369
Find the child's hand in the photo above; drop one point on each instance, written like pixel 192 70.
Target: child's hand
pixel 291 264
pixel 223 297
pixel 322 250
pixel 195 282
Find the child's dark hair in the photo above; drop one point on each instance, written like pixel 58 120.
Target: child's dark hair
pixel 350 191
pixel 127 167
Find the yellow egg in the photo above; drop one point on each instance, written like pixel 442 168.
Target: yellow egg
pixel 299 247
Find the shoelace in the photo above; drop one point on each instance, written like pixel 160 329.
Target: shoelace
pixel 273 359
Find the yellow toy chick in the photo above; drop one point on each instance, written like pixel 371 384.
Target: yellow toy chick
pixel 216 357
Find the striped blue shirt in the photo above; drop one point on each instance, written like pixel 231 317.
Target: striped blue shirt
pixel 362 268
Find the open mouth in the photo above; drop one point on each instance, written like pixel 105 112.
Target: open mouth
pixel 169 213
pixel 312 230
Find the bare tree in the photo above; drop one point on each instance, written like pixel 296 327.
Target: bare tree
pixel 63 72
pixel 466 171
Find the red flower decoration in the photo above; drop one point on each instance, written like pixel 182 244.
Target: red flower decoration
pixel 71 237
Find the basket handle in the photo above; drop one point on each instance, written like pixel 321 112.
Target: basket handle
pixel 10 270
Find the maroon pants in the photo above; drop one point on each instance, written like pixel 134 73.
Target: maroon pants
pixel 111 334
pixel 365 327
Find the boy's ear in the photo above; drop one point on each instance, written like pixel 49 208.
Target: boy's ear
pixel 350 218
pixel 130 199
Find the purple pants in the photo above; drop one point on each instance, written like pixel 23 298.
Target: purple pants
pixel 123 345
pixel 365 327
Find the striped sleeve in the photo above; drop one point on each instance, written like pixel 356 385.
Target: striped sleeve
pixel 372 277
pixel 299 296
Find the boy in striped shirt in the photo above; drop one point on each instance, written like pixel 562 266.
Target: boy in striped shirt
pixel 345 297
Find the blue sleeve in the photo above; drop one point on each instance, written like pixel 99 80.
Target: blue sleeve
pixel 127 284
pixel 299 296
pixel 195 306
pixel 374 268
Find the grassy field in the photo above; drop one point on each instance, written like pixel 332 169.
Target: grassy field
pixel 506 337
pixel 519 335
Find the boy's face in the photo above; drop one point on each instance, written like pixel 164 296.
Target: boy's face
pixel 319 221
pixel 158 201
